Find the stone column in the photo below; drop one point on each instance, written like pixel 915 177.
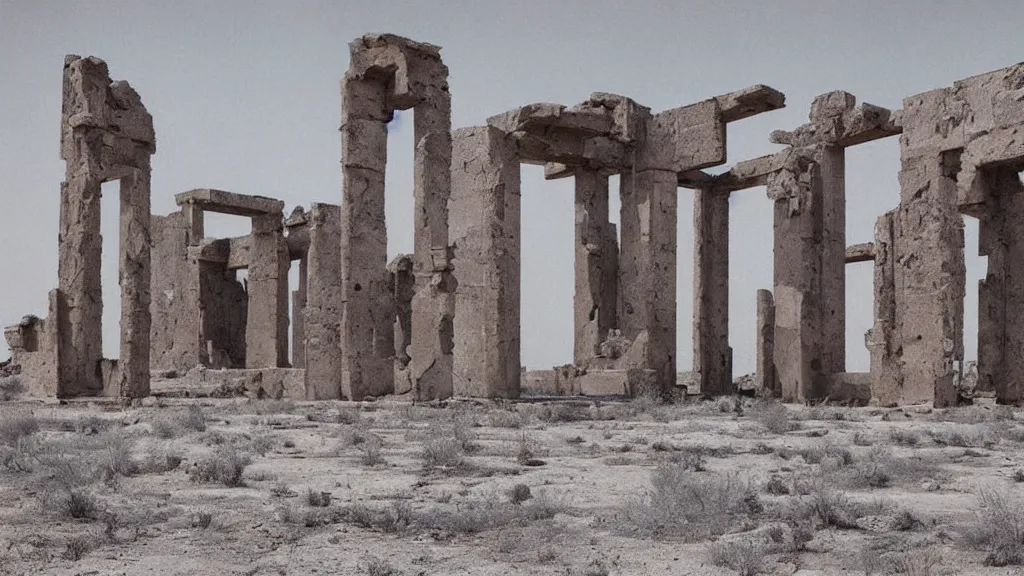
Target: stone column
pixel 930 256
pixel 712 356
pixel 433 305
pixel 883 338
pixel 299 298
pixel 766 343
pixel 797 192
pixel 266 329
pixel 485 228
pixel 1001 293
pixel 134 279
pixel 367 319
pixel 647 272
pixel 595 273
pixel 322 313
pixel 832 163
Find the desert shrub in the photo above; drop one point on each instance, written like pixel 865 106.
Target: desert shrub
pixel 77 547
pixel 115 459
pixel 772 416
pixel 904 437
pixel 743 556
pixel 776 486
pixel 920 562
pixel 372 451
pixel 817 454
pixel 373 566
pixel 1018 475
pixel 80 504
pixel 879 468
pixel 16 425
pixel 318 499
pixel 178 422
pixel 158 461
pixel 562 413
pixel 832 508
pixel 202 519
pixel 519 493
pixel 349 415
pixel 689 504
pixel 965 436
pixel 862 439
pixel 999 527
pixel 443 452
pixel 505 419
pixel 224 466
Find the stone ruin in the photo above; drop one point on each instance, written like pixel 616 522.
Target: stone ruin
pixel 445 320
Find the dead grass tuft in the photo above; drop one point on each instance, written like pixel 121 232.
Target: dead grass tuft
pixel 224 466
pixel 743 556
pixel 999 527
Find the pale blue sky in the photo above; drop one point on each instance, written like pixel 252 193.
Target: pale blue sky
pixel 245 97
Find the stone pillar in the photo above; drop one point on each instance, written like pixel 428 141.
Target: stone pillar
pixel 80 247
pixel 367 319
pixel 134 279
pixel 647 271
pixel 883 338
pixel 766 378
pixel 797 192
pixel 484 229
pixel 322 313
pixel 266 329
pixel 433 305
pixel 1001 293
pixel 595 273
pixel 299 298
pixel 402 282
pixel 832 163
pixel 932 276
pixel 712 356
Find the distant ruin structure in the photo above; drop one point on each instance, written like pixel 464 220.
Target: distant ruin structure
pixel 445 320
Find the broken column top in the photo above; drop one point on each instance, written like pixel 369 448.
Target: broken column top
pixel 93 101
pixel 211 200
pixel 412 70
pixel 837 119
pixel 378 41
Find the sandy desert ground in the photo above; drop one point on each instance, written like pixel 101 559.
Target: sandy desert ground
pixel 545 487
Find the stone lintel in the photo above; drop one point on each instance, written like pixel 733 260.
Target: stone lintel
pixel 749 173
pixel 222 202
pixel 860 253
pixel 537 118
pixel 750 102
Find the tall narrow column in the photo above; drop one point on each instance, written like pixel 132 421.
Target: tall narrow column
pixel 712 356
pixel 883 339
pixel 299 298
pixel 485 228
pixel 322 322
pixel 1001 293
pixel 832 163
pixel 647 272
pixel 80 247
pixel 797 192
pixel 433 305
pixel 594 298
pixel 266 329
pixel 933 276
pixel 367 318
pixel 766 343
pixel 134 279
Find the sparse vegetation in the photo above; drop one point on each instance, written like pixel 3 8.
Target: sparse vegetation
pixel 772 416
pixel 318 499
pixel 745 557
pixel 999 528
pixel 224 466
pixel 689 504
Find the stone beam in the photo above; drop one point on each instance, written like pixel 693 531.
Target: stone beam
pixel 222 202
pixel 860 253
pixel 749 102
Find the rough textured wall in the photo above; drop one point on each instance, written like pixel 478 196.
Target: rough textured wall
pixel 484 230
pixel 596 266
